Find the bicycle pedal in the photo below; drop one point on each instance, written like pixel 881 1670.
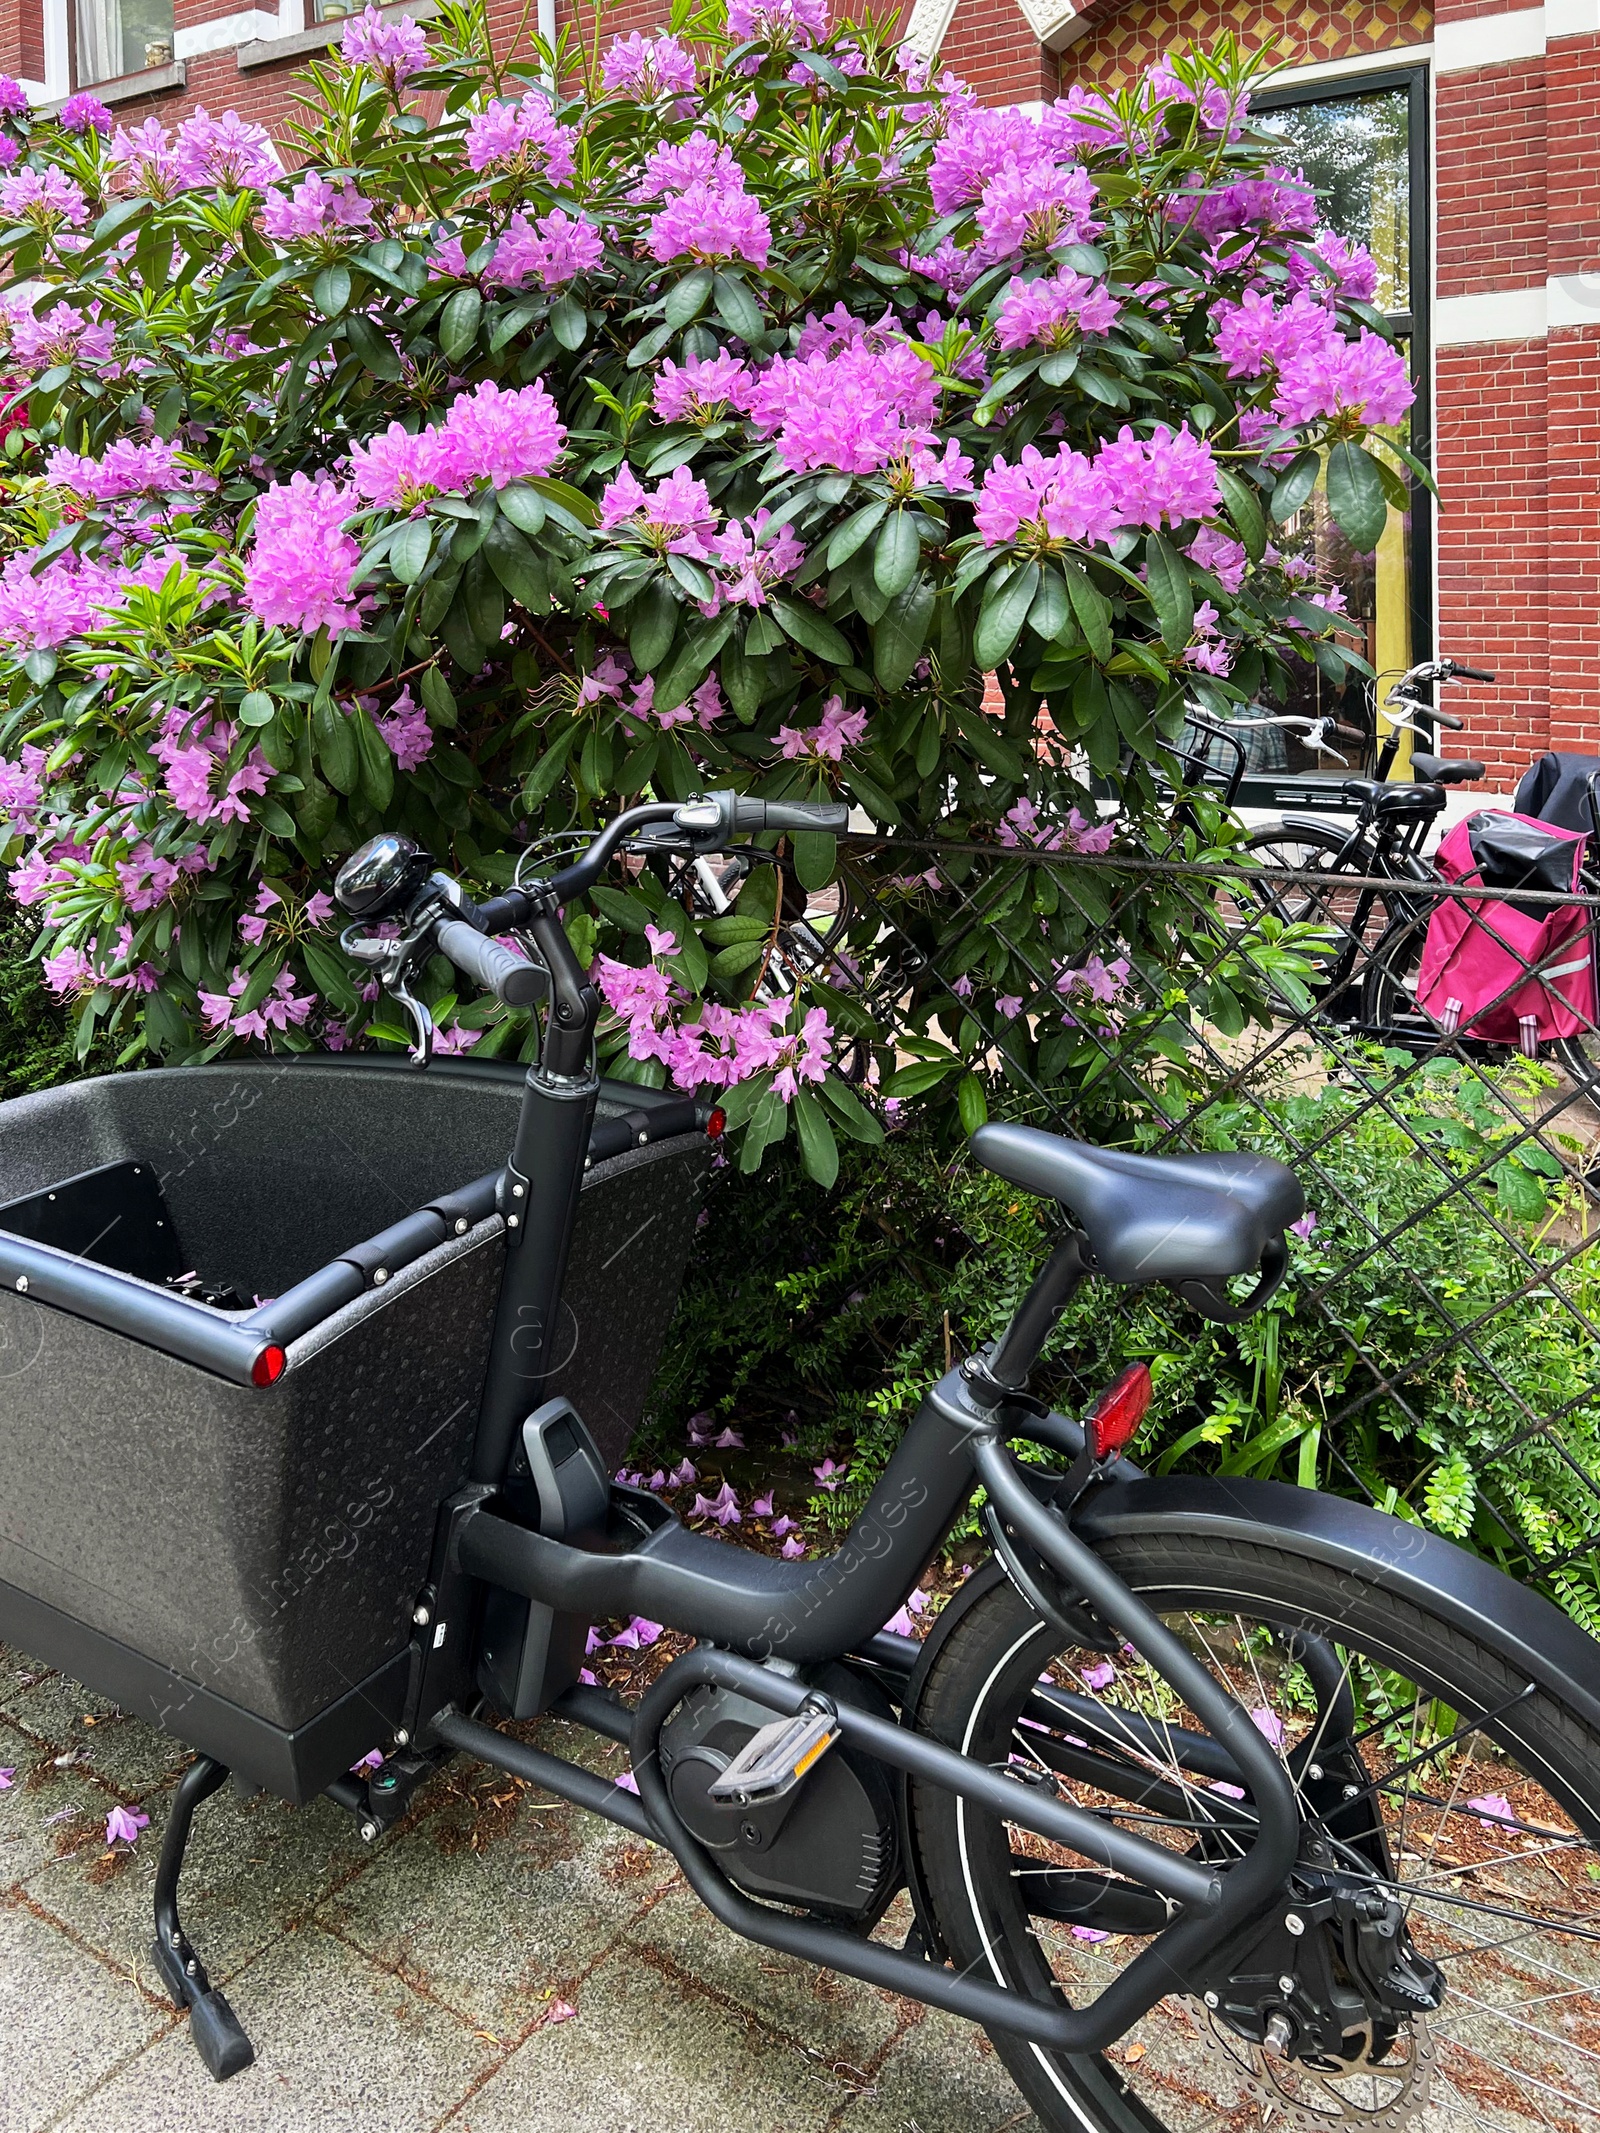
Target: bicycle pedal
pixel 772 1762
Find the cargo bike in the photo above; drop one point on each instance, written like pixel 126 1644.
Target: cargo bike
pixel 315 1374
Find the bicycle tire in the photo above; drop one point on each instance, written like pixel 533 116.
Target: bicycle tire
pixel 1175 2075
pixel 1283 847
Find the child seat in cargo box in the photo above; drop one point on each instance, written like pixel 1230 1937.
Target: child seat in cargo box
pixel 265 1547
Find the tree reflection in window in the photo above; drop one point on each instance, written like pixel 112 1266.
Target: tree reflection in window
pixel 1356 151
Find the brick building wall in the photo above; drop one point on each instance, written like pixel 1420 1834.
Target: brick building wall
pixel 1514 311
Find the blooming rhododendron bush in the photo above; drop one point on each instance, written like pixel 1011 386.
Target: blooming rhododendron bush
pixel 482 457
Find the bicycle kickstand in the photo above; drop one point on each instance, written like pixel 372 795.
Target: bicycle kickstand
pixel 215 2028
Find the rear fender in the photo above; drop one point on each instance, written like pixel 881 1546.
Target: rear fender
pixel 1368 1548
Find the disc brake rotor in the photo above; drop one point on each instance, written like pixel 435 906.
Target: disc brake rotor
pixel 1381 2094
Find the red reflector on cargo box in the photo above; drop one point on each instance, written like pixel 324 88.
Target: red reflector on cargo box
pixel 716 1124
pixel 1116 1415
pixel 268 1366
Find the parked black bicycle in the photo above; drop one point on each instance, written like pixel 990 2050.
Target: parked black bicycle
pixel 1299 1798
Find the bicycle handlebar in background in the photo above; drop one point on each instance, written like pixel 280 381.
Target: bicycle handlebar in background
pixel 513 980
pixel 1469 673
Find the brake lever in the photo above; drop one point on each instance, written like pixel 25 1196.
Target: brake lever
pixel 421 1052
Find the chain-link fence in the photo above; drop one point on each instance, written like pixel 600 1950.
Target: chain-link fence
pixel 1436 1347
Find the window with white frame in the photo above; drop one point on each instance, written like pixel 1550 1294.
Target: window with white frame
pixel 116 37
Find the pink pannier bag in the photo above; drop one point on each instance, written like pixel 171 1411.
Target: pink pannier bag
pixel 1469 980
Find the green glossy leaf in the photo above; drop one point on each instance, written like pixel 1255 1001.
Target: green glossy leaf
pixel 1050 612
pixel 569 322
pixel 972 1104
pixel 899 635
pixel 565 497
pixel 256 709
pixel 1002 615
pixel 374 349
pixel 810 629
pixel 438 700
pixel 514 563
pixel 1057 369
pixel 377 764
pixel 330 292
pixel 686 299
pixel 1171 594
pixel 737 308
pixel 335 745
pixel 1295 484
pixel 1355 496
pixel 897 555
pixel 1244 508
pixel 819 1151
pixel 410 549
pixel 654 622
pixel 1092 609
pixel 816 854
pixel 524 507
pixel 846 539
pixel 458 325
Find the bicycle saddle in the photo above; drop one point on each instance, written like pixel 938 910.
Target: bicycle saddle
pixel 1164 1218
pixel 1394 799
pixel 1436 770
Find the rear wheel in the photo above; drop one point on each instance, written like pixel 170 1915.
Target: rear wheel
pixel 1437 1785
pixel 1355 919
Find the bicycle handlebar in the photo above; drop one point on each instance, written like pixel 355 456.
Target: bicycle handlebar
pixel 513 980
pixel 750 814
pixel 1469 673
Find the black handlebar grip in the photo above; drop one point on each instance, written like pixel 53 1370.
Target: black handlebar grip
pixel 1442 718
pixel 496 968
pixel 751 814
pixel 1471 673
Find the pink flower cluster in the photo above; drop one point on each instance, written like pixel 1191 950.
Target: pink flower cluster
pixel 489 434
pixel 1227 560
pixel 758 556
pixel 405 732
pixel 1280 204
pixel 272 914
pixel 45 198
pixel 192 748
pixel 229 152
pixel 553 249
pixel 22 788
pixel 1021 825
pixel 71 970
pixel 777 22
pixel 316 209
pixel 299 571
pixel 126 469
pixel 645 68
pixel 872 402
pixel 677 517
pixel 1160 480
pixel 1363 380
pixel 1208 654
pixel 1331 268
pixel 282 1008
pixel 726 1045
pixel 395 48
pixel 522 137
pixel 84 113
pixel 42 609
pixel 827 741
pixel 976 147
pixel 147 879
pixel 13 98
pixel 701 391
pixel 710 224
pixel 61 335
pixel 1053 311
pixel 1032 206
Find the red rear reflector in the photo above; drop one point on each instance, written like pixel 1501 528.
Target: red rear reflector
pixel 716 1124
pixel 1116 1415
pixel 268 1366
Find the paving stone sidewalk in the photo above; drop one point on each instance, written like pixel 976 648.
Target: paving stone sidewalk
pixel 423 1981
